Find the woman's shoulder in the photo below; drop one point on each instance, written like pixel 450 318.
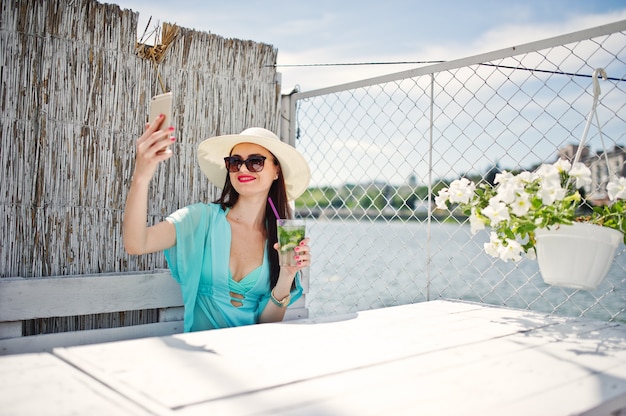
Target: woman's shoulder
pixel 209 207
pixel 197 210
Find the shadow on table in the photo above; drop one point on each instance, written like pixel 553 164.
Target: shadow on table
pixel 178 343
pixel 580 342
pixel 323 319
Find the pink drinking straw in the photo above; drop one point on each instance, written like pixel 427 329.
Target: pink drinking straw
pixel 269 199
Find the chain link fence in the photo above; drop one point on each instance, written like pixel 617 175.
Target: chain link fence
pixel 380 149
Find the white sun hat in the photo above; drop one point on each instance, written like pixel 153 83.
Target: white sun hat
pixel 296 171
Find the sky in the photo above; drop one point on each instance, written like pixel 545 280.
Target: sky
pixel 309 32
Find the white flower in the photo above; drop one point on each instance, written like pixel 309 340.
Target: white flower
pixel 582 174
pixel 616 189
pixel 442 198
pixel 507 192
pixel 511 251
pixel 476 224
pixel 461 190
pixel 506 250
pixel 550 194
pixel 549 175
pixel 503 177
pixel 493 246
pixel 562 165
pixel 525 177
pixel 547 171
pixel 510 186
pixel 496 211
pixel 521 205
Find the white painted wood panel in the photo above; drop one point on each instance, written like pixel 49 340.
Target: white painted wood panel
pixel 86 294
pixel 47 342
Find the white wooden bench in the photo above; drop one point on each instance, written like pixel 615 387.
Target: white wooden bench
pixel 23 299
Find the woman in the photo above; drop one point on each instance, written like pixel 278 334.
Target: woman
pixel 224 254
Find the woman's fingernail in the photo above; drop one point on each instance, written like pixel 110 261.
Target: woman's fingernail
pixel 173 139
pixel 171 128
pixel 161 115
pixel 302 242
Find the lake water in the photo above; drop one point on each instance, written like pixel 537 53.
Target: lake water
pixel 367 265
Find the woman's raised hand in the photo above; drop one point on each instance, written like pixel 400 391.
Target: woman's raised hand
pixel 152 147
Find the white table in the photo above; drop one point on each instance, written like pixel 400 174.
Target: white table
pixel 42 384
pixel 438 357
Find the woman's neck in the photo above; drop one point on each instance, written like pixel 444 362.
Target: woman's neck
pixel 249 212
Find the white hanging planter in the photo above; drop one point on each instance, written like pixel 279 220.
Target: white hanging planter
pixel 576 256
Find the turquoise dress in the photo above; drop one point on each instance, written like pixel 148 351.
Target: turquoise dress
pixel 200 264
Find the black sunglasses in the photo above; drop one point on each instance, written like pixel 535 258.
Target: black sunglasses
pixel 253 163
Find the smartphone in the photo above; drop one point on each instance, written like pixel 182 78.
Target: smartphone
pixel 161 104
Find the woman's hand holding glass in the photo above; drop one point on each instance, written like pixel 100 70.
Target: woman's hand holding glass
pixel 302 257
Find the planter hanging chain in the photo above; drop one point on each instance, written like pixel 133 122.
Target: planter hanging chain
pixel 592 113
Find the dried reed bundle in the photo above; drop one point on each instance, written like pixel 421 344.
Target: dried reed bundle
pixel 164 38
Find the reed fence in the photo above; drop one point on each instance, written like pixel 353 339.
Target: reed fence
pixel 74 96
